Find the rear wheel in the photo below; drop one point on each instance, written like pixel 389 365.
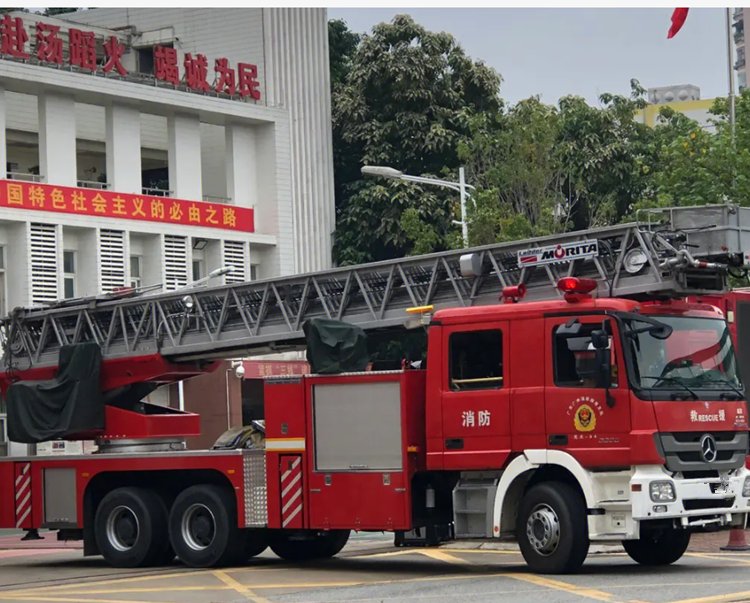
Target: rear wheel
pixel 658 547
pixel 552 529
pixel 305 547
pixel 203 528
pixel 130 528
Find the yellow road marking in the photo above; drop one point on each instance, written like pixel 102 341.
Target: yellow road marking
pixel 718 598
pixel 140 577
pixel 240 588
pixel 388 554
pixel 581 591
pixel 485 551
pixel 443 556
pixel 715 556
pixel 54 598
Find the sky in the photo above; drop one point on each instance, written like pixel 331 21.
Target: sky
pixel 585 51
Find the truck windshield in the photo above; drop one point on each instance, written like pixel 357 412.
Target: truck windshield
pixel 684 353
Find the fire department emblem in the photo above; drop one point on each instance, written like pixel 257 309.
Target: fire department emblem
pixel 584 412
pixel 585 418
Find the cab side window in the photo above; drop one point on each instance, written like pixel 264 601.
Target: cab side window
pixel 476 360
pixel 575 357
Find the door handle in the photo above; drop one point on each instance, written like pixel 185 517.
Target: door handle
pixel 314 490
pixel 454 444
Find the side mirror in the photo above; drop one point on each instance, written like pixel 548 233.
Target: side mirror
pixel 599 340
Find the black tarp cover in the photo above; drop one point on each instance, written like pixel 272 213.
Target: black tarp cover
pixel 70 403
pixel 334 346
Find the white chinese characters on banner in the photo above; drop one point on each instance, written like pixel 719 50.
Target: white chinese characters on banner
pixel 470 418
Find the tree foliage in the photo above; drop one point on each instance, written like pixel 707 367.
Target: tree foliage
pixel 406 102
pixel 411 99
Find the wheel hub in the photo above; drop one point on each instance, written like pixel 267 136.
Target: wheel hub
pixel 122 528
pixel 198 527
pixel 543 529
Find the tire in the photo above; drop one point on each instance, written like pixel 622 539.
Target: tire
pixel 203 527
pixel 130 528
pixel 321 545
pixel 255 543
pixel 658 547
pixel 552 528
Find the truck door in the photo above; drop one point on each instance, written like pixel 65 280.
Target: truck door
pixel 475 398
pixel 590 422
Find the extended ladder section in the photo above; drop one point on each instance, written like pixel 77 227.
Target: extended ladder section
pixel 671 252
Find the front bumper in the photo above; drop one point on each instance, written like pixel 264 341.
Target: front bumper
pixel 699 502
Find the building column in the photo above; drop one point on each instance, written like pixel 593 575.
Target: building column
pixel 123 140
pixel 185 156
pixel 4 143
pixel 57 139
pixel 241 163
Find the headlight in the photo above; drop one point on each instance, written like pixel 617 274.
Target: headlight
pixel 746 488
pixel 662 491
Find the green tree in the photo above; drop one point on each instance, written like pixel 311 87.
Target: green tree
pixel 406 102
pixel 342 43
pixel 702 165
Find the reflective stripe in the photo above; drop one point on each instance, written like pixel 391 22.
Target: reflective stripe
pixel 285 444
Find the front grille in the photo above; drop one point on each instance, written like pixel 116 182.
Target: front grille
pixel 708 503
pixel 682 450
pixel 700 474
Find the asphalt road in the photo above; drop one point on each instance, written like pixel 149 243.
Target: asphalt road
pixel 370 570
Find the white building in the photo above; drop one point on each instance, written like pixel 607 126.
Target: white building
pixel 151 146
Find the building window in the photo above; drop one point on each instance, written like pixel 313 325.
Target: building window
pixel 199 270
pixel 135 271
pixel 476 360
pixel 69 273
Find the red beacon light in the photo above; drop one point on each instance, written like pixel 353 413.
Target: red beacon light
pixel 576 289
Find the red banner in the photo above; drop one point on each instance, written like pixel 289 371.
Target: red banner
pixel 257 369
pixel 17 194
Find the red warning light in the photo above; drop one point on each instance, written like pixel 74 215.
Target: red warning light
pixel 576 289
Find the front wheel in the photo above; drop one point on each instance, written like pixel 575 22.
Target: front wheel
pixel 658 547
pixel 552 528
pixel 296 547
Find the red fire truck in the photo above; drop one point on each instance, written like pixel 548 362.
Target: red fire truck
pixel 568 395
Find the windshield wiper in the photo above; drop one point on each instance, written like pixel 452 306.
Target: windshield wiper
pixel 727 382
pixel 671 380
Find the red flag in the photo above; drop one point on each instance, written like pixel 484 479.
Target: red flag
pixel 678 20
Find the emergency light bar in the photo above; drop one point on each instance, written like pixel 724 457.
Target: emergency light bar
pixel 576 289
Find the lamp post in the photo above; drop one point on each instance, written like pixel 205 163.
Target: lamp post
pixel 460 186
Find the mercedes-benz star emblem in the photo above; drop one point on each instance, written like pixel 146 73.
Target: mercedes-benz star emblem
pixel 708 448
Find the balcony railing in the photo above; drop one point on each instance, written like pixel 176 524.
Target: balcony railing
pixel 24 176
pixel 156 192
pixel 102 186
pixel 217 199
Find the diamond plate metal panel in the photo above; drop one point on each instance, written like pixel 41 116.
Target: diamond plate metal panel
pixel 256 507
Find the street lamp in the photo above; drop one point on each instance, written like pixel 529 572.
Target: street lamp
pixel 460 186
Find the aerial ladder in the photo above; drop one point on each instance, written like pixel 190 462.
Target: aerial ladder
pixel 165 337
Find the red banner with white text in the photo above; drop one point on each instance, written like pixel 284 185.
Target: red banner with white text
pixel 33 196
